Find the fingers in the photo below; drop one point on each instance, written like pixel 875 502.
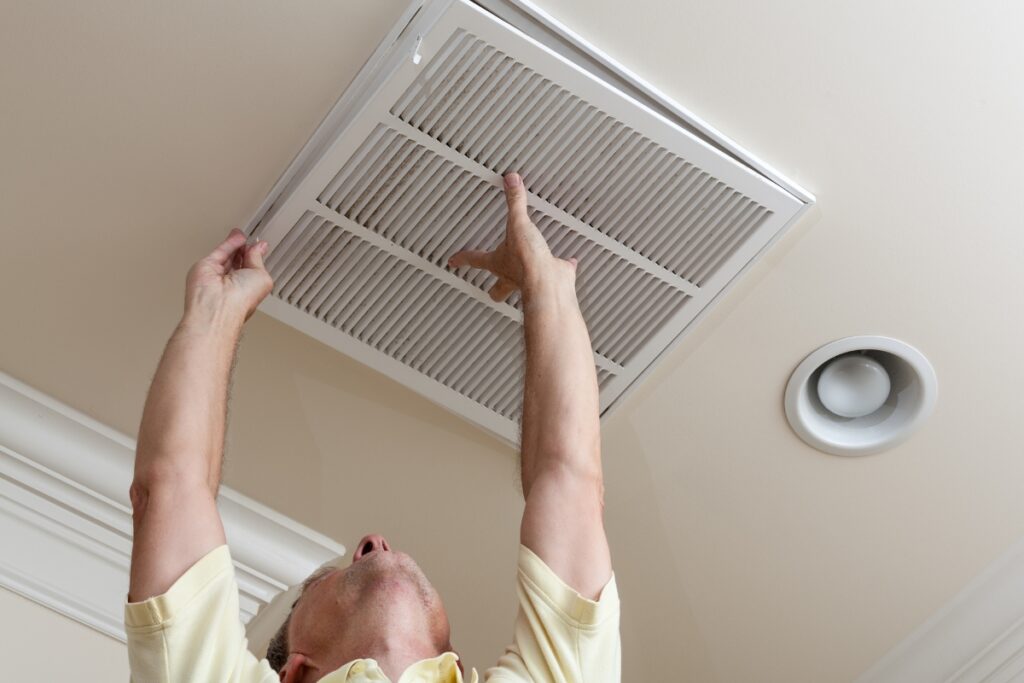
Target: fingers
pixel 227 248
pixel 515 195
pixel 502 288
pixel 254 255
pixel 471 257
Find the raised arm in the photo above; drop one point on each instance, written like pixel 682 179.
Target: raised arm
pixel 181 438
pixel 561 445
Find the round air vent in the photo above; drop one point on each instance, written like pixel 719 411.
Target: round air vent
pixel 860 395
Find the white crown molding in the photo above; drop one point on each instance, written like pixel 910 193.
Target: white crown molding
pixel 65 519
pixel 977 636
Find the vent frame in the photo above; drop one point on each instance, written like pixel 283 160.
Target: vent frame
pixel 384 81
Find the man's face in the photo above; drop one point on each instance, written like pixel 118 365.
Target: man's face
pixel 381 598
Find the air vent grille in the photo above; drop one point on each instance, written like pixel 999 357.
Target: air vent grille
pixel 406 170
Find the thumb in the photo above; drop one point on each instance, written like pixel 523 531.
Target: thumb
pixel 515 195
pixel 472 257
pixel 254 255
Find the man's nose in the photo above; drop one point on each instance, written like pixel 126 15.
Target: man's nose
pixel 370 543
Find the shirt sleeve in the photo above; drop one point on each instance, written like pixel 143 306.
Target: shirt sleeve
pixel 560 636
pixel 193 632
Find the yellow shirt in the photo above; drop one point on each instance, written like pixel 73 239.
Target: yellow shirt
pixel 193 634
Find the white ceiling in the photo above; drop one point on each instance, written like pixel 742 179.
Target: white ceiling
pixel 134 135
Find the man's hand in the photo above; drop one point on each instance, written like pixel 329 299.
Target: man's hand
pixel 523 260
pixel 561 442
pixel 229 283
pixel 181 438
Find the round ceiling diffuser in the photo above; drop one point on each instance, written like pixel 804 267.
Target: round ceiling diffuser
pixel 860 395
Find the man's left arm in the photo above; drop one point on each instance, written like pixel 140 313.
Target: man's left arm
pixel 567 628
pixel 563 522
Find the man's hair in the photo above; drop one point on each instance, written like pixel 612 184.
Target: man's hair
pixel 277 648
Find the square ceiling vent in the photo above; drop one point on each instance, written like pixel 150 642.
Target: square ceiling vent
pixel 661 211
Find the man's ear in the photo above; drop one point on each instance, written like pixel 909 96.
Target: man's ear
pixel 294 669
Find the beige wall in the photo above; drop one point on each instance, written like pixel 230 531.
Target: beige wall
pixel 38 644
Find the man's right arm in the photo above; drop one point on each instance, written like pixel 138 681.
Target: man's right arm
pixel 174 490
pixel 178 455
pixel 182 617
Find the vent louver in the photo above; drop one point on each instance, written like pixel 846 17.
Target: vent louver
pixel 578 158
pixel 406 171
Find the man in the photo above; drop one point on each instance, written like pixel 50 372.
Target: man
pixel 378 619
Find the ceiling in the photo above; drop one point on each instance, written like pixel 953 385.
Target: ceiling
pixel 135 135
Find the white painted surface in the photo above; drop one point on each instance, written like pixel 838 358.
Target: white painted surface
pixel 64 482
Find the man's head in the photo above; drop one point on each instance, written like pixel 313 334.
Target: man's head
pixel 381 606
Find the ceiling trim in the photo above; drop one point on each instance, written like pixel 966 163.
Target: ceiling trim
pixel 65 518
pixel 977 636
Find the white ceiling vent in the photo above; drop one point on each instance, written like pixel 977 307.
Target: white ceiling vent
pixel 661 211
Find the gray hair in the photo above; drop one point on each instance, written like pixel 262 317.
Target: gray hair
pixel 278 647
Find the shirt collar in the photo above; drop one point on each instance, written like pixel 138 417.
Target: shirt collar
pixel 440 669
